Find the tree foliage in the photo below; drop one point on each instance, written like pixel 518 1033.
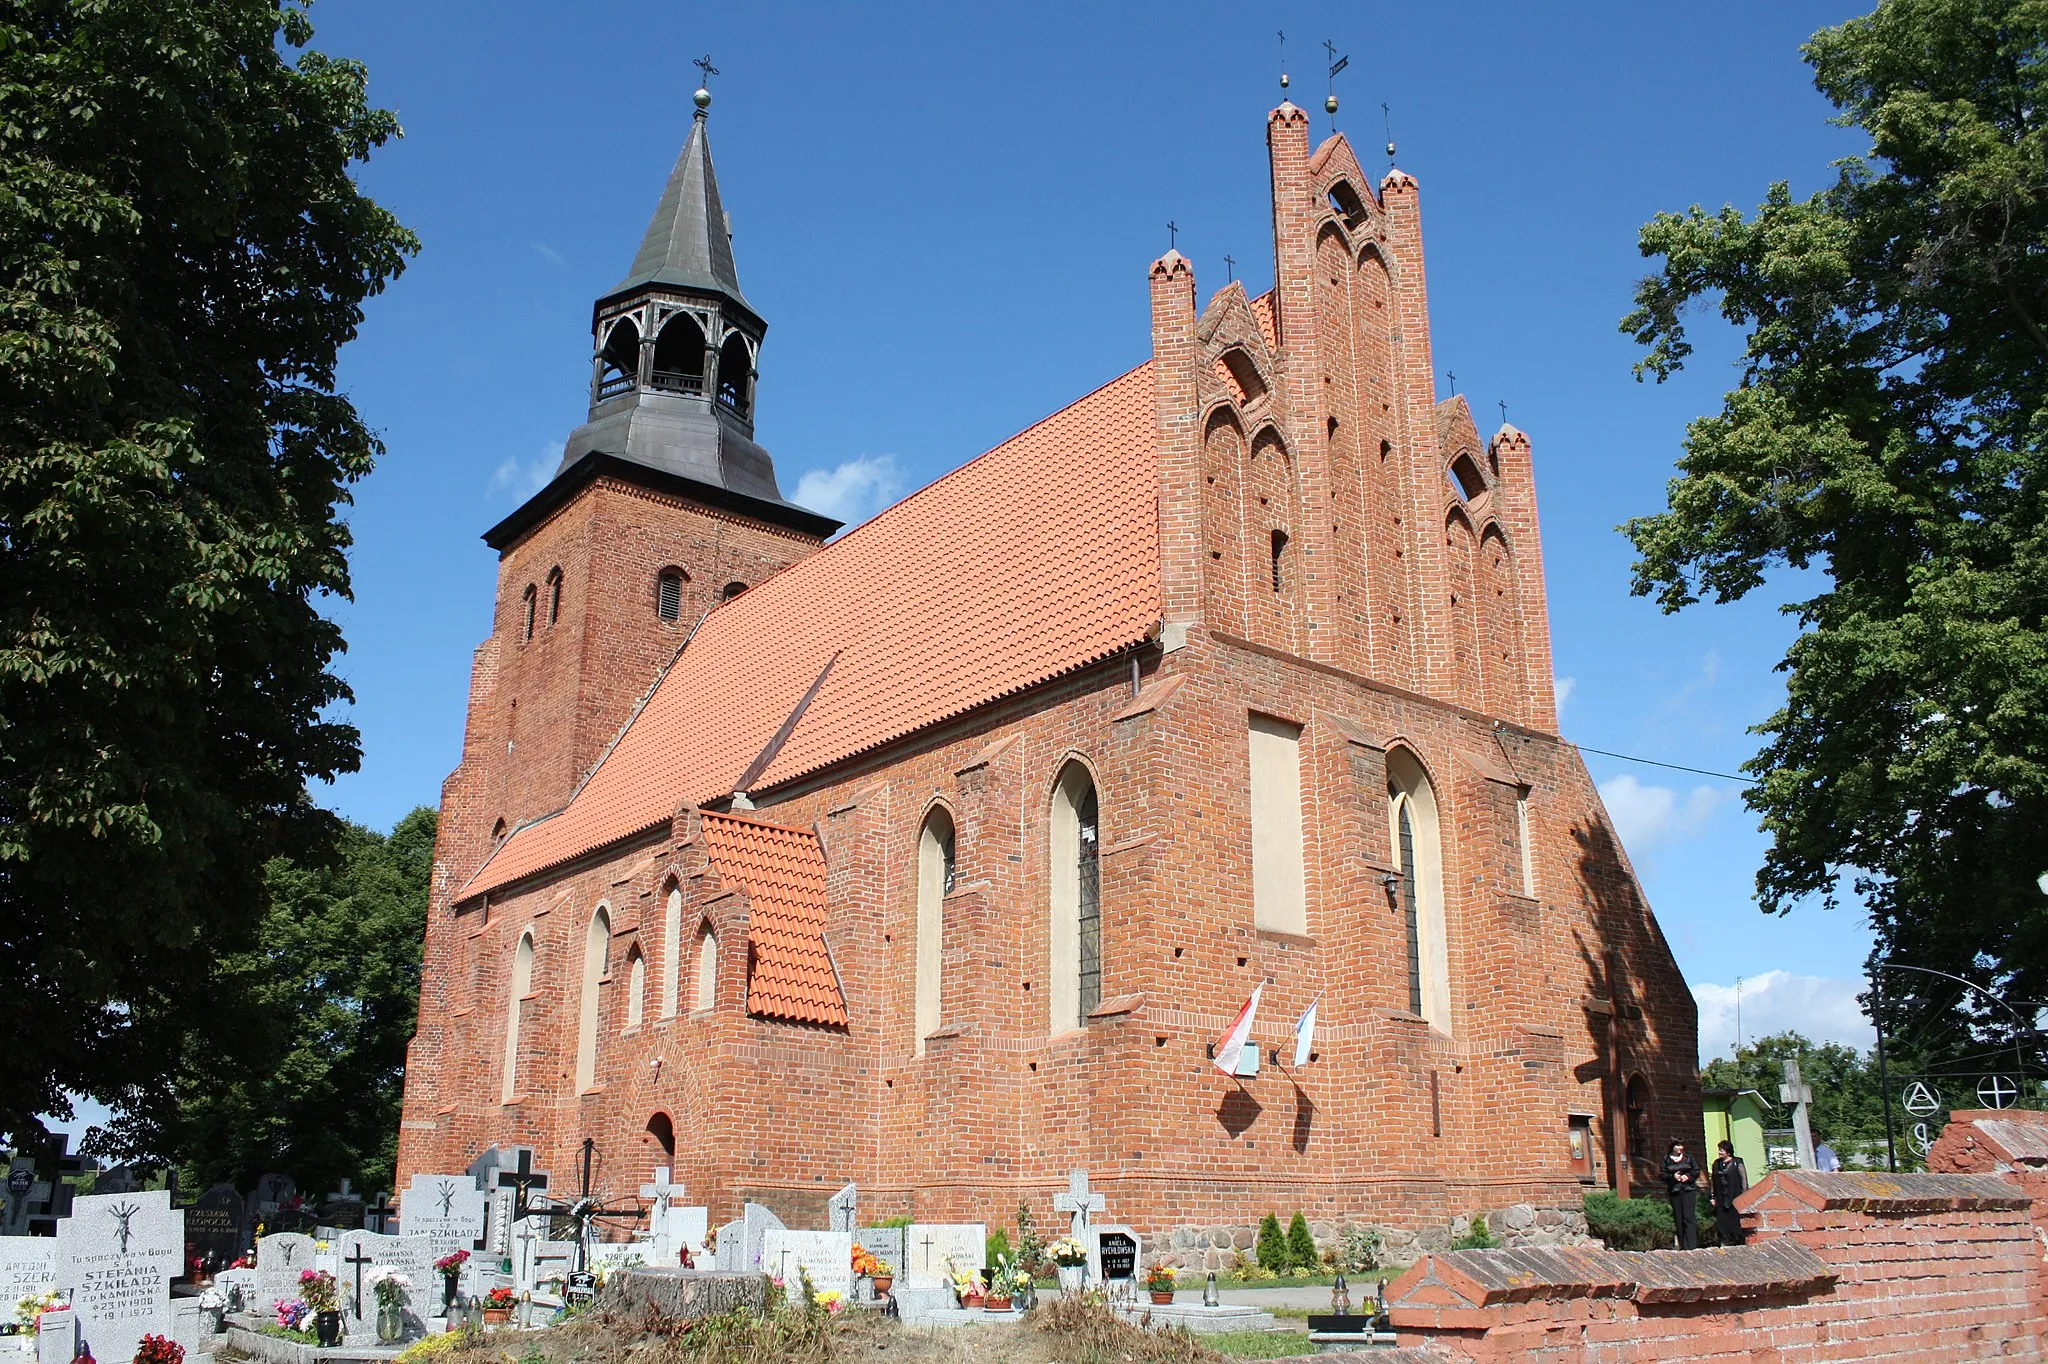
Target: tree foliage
pixel 1847 1106
pixel 1887 431
pixel 182 253
pixel 305 1070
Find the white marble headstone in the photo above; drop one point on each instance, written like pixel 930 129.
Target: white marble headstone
pixel 28 1266
pixel 933 1252
pixel 827 1256
pixel 249 1282
pixel 539 1264
pixel 447 1209
pixel 843 1211
pixel 732 1246
pixel 360 1252
pixel 118 1253
pixel 280 1258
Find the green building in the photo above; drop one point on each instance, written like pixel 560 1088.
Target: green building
pixel 1737 1115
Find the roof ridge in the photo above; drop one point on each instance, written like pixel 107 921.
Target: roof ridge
pixel 758 823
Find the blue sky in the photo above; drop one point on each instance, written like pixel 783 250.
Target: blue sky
pixel 945 213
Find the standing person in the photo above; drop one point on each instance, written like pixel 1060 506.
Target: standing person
pixel 1728 1177
pixel 1682 1181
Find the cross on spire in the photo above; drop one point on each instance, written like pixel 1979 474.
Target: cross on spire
pixel 1172 234
pixel 703 64
pixel 1230 264
pixel 1452 375
pixel 1503 412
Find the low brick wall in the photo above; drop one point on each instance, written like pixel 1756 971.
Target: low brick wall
pixel 1841 1266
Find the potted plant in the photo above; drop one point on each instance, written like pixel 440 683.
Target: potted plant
pixel 1070 1262
pixel 498 1304
pixel 392 1289
pixel 322 1296
pixel 449 1267
pixel 159 1350
pixel 967 1287
pixel 1007 1282
pixel 869 1265
pixel 1160 1283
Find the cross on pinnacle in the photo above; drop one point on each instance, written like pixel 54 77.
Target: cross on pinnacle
pixel 703 64
pixel 1230 262
pixel 1172 235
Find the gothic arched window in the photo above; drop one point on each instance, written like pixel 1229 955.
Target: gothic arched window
pixel 668 593
pixel 935 854
pixel 707 969
pixel 521 986
pixel 736 374
pixel 1076 848
pixel 1418 852
pixel 636 989
pixel 679 356
pixel 527 600
pixel 671 950
pixel 618 364
pixel 554 595
pixel 597 944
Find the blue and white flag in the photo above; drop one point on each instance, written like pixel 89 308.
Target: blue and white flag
pixel 1305 1034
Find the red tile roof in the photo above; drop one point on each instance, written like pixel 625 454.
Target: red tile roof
pixel 1038 558
pixel 783 871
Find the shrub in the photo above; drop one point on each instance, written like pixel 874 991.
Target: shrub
pixel 998 1248
pixel 1359 1250
pixel 896 1223
pixel 1272 1245
pixel 1630 1223
pixel 1088 1332
pixel 1479 1238
pixel 1030 1245
pixel 1301 1246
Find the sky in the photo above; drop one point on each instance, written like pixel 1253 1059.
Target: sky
pixel 945 213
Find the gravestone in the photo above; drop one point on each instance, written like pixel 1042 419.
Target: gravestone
pixel 1081 1203
pixel 118 1180
pixel 448 1210
pixel 1114 1260
pixel 362 1252
pixel 843 1211
pixel 935 1251
pixel 1799 1096
pixel 538 1261
pixel 886 1245
pixel 740 1242
pixel 117 1254
pixel 213 1225
pixel 827 1256
pixel 243 1286
pixel 498 1224
pixel 57 1337
pixel 28 1266
pixel 280 1258
pixel 343 1209
pixel 24 1191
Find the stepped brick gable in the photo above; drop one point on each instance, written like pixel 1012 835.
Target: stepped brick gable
pixel 935 856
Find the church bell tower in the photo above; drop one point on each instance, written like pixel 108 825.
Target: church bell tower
pixel 663 507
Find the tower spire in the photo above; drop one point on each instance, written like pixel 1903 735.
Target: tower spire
pixel 688 243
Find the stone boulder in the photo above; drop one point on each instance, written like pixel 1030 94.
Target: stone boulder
pixel 679 1294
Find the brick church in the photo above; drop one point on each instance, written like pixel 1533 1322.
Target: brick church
pixel 938 855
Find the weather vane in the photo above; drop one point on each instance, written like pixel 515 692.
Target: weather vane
pixel 703 95
pixel 1284 82
pixel 1388 114
pixel 1337 64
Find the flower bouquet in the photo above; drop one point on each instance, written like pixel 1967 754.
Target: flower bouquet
pixel 319 1291
pixel 967 1287
pixel 1007 1282
pixel 1160 1283
pixel 498 1304
pixel 159 1350
pixel 870 1266
pixel 1070 1260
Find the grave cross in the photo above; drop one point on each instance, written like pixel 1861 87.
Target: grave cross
pixel 662 1191
pixel 843 1209
pixel 1078 1201
pixel 378 1211
pixel 522 1179
pixel 359 1259
pixel 927 1244
pixel 1799 1096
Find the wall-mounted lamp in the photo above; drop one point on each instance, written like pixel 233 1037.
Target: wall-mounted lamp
pixel 1390 882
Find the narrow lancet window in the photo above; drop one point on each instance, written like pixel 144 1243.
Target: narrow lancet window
pixel 1076 901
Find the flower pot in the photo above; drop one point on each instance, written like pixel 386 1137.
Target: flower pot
pixel 996 1302
pixel 1073 1278
pixel 883 1283
pixel 327 1329
pixel 1160 1296
pixel 390 1324
pixel 970 1299
pixel 497 1316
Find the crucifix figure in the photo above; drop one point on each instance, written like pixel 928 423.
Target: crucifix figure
pixel 522 1179
pixel 1799 1096
pixel 1078 1201
pixel 1614 1008
pixel 664 1193
pixel 359 1259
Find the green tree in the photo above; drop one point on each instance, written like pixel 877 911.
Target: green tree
pixel 1271 1247
pixel 1847 1104
pixel 182 253
pixel 306 1072
pixel 1301 1246
pixel 1888 433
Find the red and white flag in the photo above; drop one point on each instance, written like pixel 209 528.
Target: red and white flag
pixel 1239 1035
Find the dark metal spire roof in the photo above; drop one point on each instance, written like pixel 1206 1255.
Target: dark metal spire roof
pixel 687 243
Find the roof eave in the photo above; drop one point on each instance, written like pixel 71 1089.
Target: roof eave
pixel 572 480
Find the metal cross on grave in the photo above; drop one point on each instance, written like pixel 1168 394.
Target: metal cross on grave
pixel 522 1179
pixel 378 1214
pixel 359 1259
pixel 1078 1201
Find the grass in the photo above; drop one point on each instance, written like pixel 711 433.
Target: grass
pixel 1257 1344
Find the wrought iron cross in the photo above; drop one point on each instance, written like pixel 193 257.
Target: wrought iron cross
pixel 1453 376
pixel 1503 412
pixel 1230 263
pixel 359 1259
pixel 703 64
pixel 1172 234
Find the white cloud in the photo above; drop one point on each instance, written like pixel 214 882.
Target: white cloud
pixel 524 477
pixel 852 490
pixel 549 253
pixel 1646 816
pixel 1565 687
pixel 1821 1008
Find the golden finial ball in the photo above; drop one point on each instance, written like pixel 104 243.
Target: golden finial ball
pixel 1330 105
pixel 702 98
pixel 1284 81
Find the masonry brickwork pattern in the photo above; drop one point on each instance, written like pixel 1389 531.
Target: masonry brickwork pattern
pixel 1274 516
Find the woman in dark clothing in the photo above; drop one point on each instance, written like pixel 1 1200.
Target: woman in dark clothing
pixel 1682 1180
pixel 1729 1177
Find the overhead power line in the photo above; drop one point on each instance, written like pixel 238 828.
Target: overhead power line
pixel 1653 762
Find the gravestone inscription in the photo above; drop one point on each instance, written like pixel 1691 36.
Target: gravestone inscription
pixel 826 1256
pixel 362 1253
pixel 446 1209
pixel 936 1251
pixel 28 1267
pixel 1113 1257
pixel 280 1258
pixel 117 1254
pixel 214 1226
